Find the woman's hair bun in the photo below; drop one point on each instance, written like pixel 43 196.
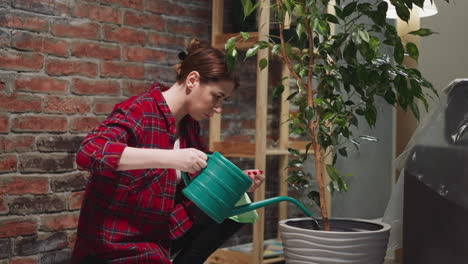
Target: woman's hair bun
pixel 194 44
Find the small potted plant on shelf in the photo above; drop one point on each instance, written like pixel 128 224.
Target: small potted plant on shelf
pixel 338 74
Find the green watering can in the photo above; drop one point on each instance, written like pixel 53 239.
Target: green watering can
pixel 220 185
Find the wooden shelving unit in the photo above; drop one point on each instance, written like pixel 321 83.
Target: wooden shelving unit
pixel 257 150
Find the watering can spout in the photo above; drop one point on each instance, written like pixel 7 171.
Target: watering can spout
pixel 255 205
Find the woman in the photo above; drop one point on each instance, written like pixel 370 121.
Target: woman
pixel 133 210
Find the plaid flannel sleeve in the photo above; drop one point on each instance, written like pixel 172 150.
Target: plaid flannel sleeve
pixel 102 148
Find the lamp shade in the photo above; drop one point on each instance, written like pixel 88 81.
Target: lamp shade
pixel 429 9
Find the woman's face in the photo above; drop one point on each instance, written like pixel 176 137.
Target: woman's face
pixel 207 98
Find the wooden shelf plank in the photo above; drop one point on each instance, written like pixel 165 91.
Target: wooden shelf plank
pixel 247 150
pixel 221 38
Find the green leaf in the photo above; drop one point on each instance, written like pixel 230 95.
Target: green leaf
pixel 248 7
pixel 309 112
pixel 371 115
pixel 338 12
pixel 278 90
pixel 299 30
pixel 330 18
pixel 230 43
pixel 349 53
pixel 292 95
pixel 412 50
pixel 314 196
pixel 332 172
pixel 349 9
pixel 294 152
pixel 399 51
pixel 423 32
pixel 364 35
pixel 415 109
pixel 252 51
pixel 245 35
pixel 323 28
pixel 276 48
pixel 343 152
pixel 369 138
pixel 402 12
pixel 263 63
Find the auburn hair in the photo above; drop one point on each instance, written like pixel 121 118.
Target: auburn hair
pixel 209 62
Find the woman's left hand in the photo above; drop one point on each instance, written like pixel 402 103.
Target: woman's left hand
pixel 257 177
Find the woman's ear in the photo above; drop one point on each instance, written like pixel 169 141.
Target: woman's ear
pixel 192 80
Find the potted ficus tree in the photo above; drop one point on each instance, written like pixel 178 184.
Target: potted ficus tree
pixel 338 76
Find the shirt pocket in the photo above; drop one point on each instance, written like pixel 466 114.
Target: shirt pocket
pixel 149 196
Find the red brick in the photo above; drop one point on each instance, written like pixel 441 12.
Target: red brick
pixel 144 54
pixel 3 208
pixel 92 87
pixel 230 109
pixel 17 227
pixel 136 4
pixel 21 61
pixel 124 35
pixel 98 12
pixel 16 143
pixel 76 29
pixel 4 124
pixel 55 46
pixel 68 105
pixel 59 222
pixel 122 70
pixel 71 239
pixel 159 7
pixel 160 73
pixel 191 29
pixel 70 67
pixel 104 106
pixel 173 42
pixel 75 200
pixel 41 84
pixel 2 86
pixel 22 21
pixel 8 163
pixel 24 185
pixel 24 260
pixel 84 124
pixel 43 163
pixel 95 50
pixel 27 41
pixel 34 42
pixel 38 123
pixel 4 38
pixel 248 124
pixel 134 88
pixel 177 10
pixel 138 19
pixel 20 103
pixel 50 7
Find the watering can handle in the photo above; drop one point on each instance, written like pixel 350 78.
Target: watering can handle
pixel 185 176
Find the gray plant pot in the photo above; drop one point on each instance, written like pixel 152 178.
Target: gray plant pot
pixel 354 241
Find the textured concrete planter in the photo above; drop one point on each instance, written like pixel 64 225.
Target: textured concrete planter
pixel 354 241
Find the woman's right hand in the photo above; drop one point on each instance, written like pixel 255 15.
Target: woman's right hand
pixel 189 160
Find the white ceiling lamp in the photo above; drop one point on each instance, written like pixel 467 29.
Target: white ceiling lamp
pixel 429 9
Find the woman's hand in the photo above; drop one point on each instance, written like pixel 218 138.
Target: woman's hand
pixel 257 177
pixel 189 160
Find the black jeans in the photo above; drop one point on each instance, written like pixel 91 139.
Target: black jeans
pixel 195 246
pixel 205 236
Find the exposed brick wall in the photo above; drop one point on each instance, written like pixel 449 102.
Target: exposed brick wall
pixel 63 65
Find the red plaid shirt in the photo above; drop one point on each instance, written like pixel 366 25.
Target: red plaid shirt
pixel 131 216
